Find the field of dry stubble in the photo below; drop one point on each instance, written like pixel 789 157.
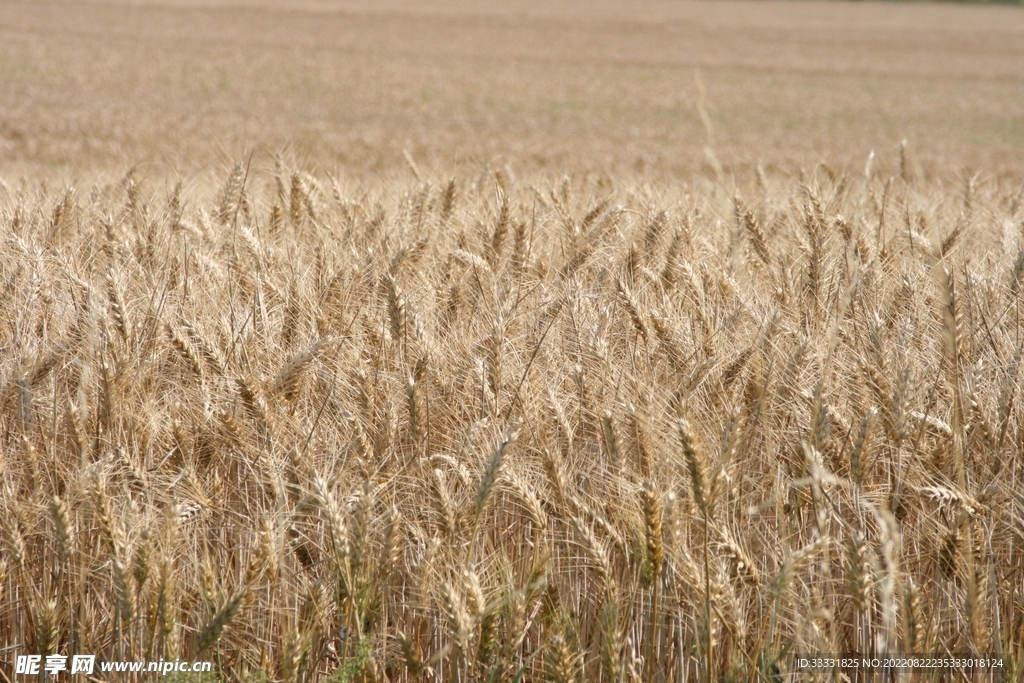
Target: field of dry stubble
pixel 520 342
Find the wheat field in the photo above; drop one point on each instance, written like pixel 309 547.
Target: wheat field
pixel 393 386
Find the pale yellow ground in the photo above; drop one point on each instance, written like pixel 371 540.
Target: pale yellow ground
pixel 554 86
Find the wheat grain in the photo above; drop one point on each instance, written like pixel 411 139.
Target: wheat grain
pixel 211 632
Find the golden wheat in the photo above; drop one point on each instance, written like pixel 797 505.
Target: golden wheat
pixel 381 435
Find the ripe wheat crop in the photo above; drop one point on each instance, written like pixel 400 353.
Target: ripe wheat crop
pixel 482 430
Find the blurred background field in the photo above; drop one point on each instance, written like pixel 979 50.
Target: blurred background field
pixel 554 87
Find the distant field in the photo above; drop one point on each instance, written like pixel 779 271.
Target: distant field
pixel 643 342
pixel 182 86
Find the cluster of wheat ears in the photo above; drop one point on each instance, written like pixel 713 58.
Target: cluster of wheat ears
pixel 491 431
